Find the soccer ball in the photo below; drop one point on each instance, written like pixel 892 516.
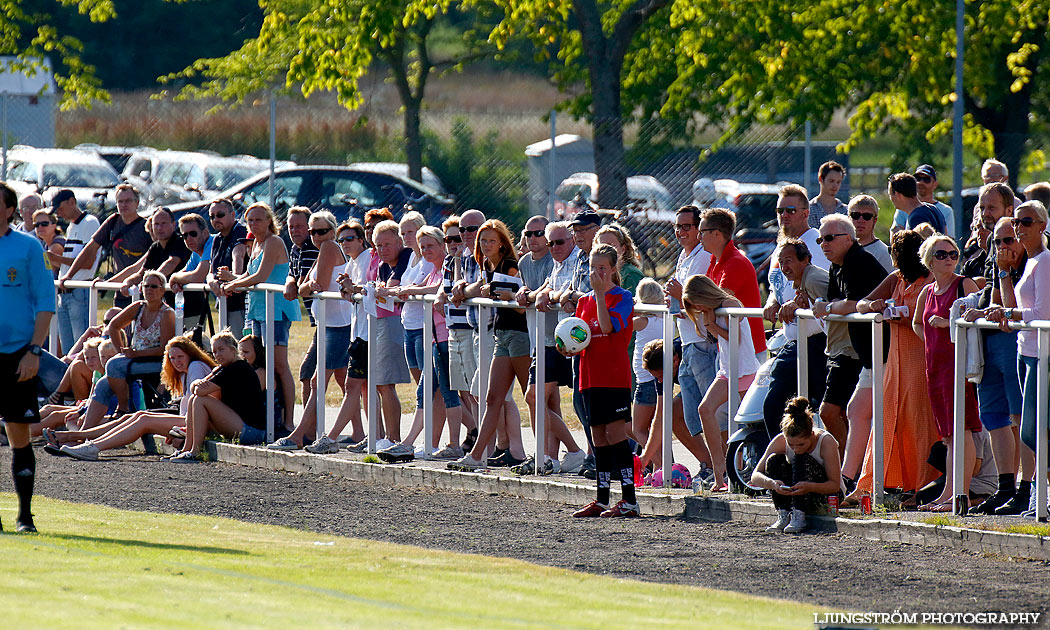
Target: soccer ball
pixel 572 335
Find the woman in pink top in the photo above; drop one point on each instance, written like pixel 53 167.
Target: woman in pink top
pixel 432 247
pixel 930 321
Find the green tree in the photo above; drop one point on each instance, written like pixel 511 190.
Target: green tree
pixel 330 45
pixel 889 63
pixel 594 43
pixel 28 34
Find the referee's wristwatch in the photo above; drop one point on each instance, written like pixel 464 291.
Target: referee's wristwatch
pixel 35 350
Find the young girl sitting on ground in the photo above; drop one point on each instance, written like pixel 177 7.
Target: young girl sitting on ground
pixel 800 468
pixel 605 383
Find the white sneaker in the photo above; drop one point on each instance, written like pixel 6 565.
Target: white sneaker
pixel 572 462
pixel 398 453
pixel 798 522
pixel 783 518
pixel 283 444
pixel 359 447
pixel 382 444
pixel 86 451
pixel 465 464
pixel 185 457
pixel 449 452
pixel 323 445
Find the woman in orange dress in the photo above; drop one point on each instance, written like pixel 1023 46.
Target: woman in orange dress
pixel 908 426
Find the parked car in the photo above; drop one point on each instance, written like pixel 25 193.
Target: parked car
pixel 645 193
pixel 116 156
pixel 169 177
pixel 345 191
pixel 400 169
pixel 46 171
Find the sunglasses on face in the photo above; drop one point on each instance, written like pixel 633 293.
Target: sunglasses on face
pixel 857 216
pixel 320 231
pixel 1006 240
pixel 944 254
pixel 469 228
pixel 346 239
pixel 190 233
pixel 829 238
pixel 454 239
pixel 42 224
pixel 152 286
pixel 926 179
pixel 1025 221
pixel 217 215
pixel 558 242
pixel 532 233
pixel 787 210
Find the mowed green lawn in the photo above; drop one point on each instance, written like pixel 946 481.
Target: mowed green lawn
pixel 101 567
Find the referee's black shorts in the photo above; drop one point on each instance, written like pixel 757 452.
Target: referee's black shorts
pixel 18 402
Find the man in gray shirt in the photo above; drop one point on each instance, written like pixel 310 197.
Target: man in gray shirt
pixel 548 268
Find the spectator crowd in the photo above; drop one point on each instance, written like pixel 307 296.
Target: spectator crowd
pixel 102 387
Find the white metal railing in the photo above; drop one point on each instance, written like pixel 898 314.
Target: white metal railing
pixel 486 350
pixel 1042 329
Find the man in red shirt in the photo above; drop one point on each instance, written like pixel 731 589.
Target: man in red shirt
pixel 730 268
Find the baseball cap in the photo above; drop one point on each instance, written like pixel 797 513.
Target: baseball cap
pixel 61 197
pixel 587 217
pixel 926 169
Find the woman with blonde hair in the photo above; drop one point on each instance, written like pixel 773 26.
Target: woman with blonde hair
pixel 700 298
pixel 184 364
pixel 616 235
pixel 268 264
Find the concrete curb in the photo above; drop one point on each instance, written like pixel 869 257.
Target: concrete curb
pixel 882 530
pixel 671 503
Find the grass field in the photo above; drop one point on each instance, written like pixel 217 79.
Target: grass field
pixel 100 567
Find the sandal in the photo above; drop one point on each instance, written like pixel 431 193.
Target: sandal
pixel 933 505
pixel 51 438
pixel 56 398
pixel 179 433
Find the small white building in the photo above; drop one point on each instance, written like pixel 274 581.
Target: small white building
pixel 27 105
pixel 572 154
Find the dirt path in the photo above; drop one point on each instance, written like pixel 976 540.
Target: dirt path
pixel 829 569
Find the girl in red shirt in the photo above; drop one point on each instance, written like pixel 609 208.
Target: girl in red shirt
pixel 605 382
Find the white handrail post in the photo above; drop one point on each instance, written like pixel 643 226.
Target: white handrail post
pixel 373 411
pixel 668 398
pixel 486 348
pixel 1041 429
pixel 877 427
pixel 223 316
pixel 92 306
pixel 268 342
pixel 320 373
pixel 802 360
pixel 540 411
pixel 959 498
pixel 427 378
pixel 733 376
pixel 52 338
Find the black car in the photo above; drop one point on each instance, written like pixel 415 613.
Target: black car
pixel 346 192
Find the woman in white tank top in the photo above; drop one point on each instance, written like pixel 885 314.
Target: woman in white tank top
pixel 800 468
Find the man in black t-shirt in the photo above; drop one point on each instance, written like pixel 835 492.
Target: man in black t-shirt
pixel 229 256
pixel 167 254
pixel 854 274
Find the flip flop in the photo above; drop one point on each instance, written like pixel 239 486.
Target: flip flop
pixel 50 437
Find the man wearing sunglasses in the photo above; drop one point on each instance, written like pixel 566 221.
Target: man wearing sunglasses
pixel 72 310
pixel 829 177
pixel 194 231
pixel 853 275
pixel 228 259
pixel 903 192
pixel 863 211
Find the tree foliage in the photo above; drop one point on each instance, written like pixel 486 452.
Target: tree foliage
pixel 29 35
pixel 331 45
pixel 889 63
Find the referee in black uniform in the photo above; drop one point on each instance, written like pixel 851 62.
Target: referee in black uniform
pixel 27 296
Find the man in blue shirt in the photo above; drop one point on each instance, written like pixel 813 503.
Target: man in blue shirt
pixel 28 296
